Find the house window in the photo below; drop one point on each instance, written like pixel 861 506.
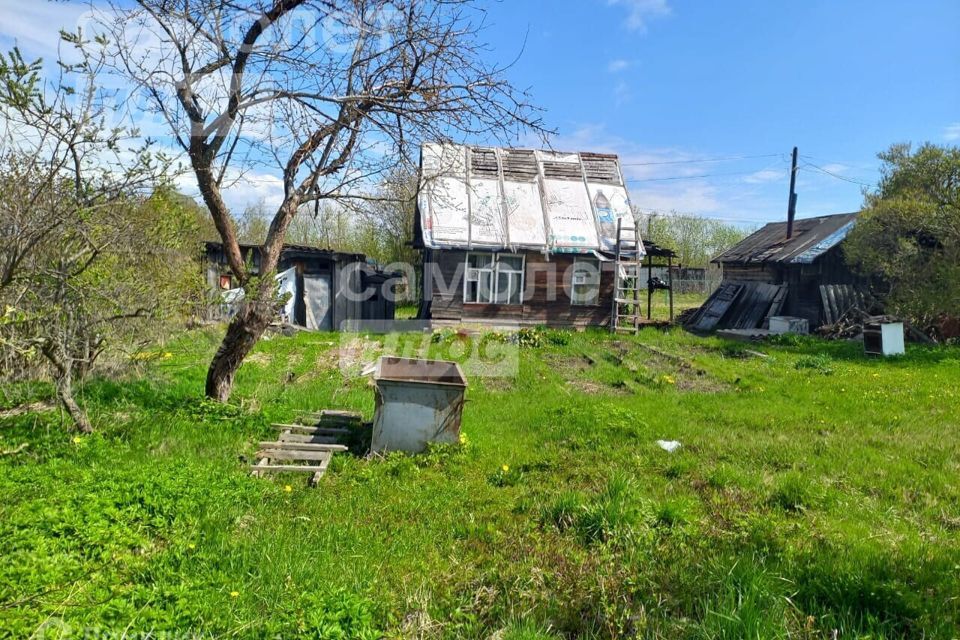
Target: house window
pixel 585 282
pixel 226 282
pixel 509 280
pixel 494 279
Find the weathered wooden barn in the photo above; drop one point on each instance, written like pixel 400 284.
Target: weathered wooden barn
pixel 772 272
pixel 520 236
pixel 327 287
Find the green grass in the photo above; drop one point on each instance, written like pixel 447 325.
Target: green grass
pixel 800 502
pixel 660 303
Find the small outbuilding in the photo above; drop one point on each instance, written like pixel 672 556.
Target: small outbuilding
pixel 326 287
pixel 524 237
pixel 785 269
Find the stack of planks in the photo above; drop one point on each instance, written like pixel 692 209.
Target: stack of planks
pixel 840 299
pixel 307 445
pixel 739 305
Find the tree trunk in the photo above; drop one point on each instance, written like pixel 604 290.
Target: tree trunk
pixel 65 395
pixel 244 330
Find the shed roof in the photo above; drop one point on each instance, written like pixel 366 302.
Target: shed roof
pixel 503 198
pixel 812 237
pixel 303 250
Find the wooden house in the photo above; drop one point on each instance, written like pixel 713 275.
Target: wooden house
pixel 519 236
pixel 328 288
pixel 801 273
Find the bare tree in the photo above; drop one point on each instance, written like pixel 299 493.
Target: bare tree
pixel 390 218
pixel 329 93
pixel 70 190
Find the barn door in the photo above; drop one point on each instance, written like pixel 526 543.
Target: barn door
pixel 317 300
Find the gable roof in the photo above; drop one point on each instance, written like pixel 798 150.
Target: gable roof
pixel 503 198
pixel 812 237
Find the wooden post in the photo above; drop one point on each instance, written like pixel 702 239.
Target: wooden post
pixel 670 284
pixel 792 203
pixel 649 290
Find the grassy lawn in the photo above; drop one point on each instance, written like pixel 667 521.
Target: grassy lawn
pixel 814 490
pixel 660 303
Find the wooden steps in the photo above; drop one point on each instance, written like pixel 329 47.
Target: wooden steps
pixel 306 446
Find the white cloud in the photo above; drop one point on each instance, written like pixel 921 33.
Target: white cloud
pixel 618 65
pixel 952 132
pixel 835 167
pixel 35 26
pixel 764 175
pixel 639 12
pixel 697 198
pixel 241 191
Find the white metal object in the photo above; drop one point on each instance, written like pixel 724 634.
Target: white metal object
pixel 789 324
pixel 417 402
pixel 885 339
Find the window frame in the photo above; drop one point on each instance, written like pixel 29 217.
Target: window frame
pixel 494 270
pixel 594 282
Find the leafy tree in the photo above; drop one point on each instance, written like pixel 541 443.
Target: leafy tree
pixel 908 234
pixel 265 82
pixel 695 239
pixel 84 255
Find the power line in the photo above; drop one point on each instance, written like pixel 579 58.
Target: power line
pixel 686 214
pixel 703 175
pixel 723 159
pixel 835 175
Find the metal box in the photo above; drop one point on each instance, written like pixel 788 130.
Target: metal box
pixel 883 339
pixel 417 402
pixel 789 324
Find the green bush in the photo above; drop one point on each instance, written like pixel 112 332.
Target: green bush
pixel 820 363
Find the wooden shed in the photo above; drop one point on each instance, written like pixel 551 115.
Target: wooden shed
pixel 520 236
pixel 770 273
pixel 327 287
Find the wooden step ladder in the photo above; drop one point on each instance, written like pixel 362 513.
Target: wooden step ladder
pixel 306 448
pixel 627 278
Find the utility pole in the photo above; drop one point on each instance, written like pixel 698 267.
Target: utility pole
pixel 792 204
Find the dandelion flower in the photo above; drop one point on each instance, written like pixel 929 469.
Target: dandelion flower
pixel 287 488
pixel 234 594
pixel 77 439
pixel 505 468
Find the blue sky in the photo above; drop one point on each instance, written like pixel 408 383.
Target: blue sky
pixel 668 83
pixel 676 80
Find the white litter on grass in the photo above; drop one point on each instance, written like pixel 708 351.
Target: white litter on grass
pixel 668 445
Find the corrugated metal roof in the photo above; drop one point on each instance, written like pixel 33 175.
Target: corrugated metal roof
pixel 502 198
pixel 812 237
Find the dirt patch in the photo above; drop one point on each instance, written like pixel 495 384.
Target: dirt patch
pixel 659 367
pixel 259 359
pixel 498 384
pixel 569 364
pixel 598 388
pixel 649 366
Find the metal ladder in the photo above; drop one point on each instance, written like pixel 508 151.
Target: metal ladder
pixel 626 312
